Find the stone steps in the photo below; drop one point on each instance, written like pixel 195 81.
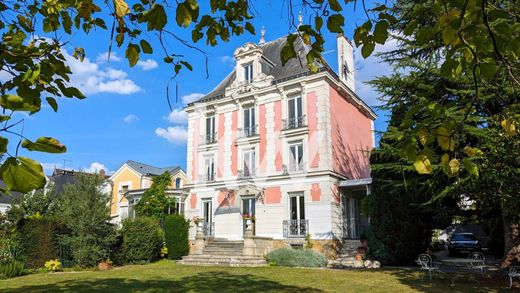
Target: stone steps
pixel 223 253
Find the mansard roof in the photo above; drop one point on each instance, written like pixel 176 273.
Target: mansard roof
pixel 271 52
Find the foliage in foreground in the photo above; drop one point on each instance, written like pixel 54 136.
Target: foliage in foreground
pixel 176 236
pixel 85 212
pixel 155 203
pixel 289 257
pixel 142 240
pixel 11 268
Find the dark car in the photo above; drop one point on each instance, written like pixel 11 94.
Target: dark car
pixel 463 243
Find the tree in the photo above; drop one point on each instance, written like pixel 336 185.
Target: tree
pixel 155 203
pixel 85 211
pixel 41 202
pixel 444 127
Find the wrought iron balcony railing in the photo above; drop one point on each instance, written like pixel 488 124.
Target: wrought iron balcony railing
pixel 294 122
pixel 297 167
pixel 208 177
pixel 242 174
pixel 211 138
pixel 248 132
pixel 295 228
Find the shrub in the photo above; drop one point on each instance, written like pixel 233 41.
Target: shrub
pixel 11 268
pixel 438 245
pixel 53 265
pixel 289 257
pixel 142 240
pixel 39 240
pixel 176 235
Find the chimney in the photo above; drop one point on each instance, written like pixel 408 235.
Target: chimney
pixel 346 62
pixel 102 174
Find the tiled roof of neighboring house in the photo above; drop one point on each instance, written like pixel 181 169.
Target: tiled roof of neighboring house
pixel 61 177
pixel 8 198
pixel 145 169
pixel 271 51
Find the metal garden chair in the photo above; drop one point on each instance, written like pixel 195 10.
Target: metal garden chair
pixel 479 262
pixel 427 265
pixel 514 272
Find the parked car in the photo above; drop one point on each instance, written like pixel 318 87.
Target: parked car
pixel 463 243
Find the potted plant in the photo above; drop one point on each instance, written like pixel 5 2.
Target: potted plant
pixel 105 265
pixel 197 220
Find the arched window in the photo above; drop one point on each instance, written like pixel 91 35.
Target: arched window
pixel 178 182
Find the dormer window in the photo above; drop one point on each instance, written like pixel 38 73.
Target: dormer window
pixel 248 72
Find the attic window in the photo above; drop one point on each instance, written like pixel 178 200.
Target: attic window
pixel 267 66
pixel 248 72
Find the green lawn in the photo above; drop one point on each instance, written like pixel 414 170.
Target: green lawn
pixel 166 276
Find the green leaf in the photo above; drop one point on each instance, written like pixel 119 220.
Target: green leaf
pixel 147 49
pixel 335 23
pixel 52 102
pixel 187 65
pixel 45 144
pixel 155 17
pixel 17 103
pixel 183 15
pixel 250 28
pixel 3 144
pixel 472 152
pixel 122 8
pixel 367 49
pixel 471 167
pixel 488 70
pixel 381 32
pixel 422 165
pixel 334 5
pixel 288 51
pixel 22 174
pixel 132 54
pixel 454 166
pixel 318 22
pixel 445 139
pixel 79 53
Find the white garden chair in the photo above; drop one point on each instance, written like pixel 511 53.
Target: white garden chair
pixel 479 263
pixel 514 272
pixel 427 265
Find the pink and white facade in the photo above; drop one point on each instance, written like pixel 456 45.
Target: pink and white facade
pixel 285 146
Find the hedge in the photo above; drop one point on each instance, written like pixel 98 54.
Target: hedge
pixel 39 240
pixel 142 240
pixel 289 257
pixel 176 236
pixel 11 268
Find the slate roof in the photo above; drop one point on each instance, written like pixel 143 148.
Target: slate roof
pixel 145 169
pixel 271 51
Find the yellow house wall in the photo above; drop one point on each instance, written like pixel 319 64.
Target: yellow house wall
pixel 126 175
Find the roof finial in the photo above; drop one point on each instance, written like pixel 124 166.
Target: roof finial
pixel 262 36
pixel 300 19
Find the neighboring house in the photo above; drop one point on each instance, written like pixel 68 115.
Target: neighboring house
pixel 283 145
pixel 62 177
pixel 5 201
pixel 132 179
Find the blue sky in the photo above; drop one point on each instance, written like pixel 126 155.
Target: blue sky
pixel 126 115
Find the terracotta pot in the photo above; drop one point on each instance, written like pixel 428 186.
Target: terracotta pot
pixel 359 256
pixel 104 266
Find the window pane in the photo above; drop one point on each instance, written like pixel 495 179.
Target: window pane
pixel 300 153
pixel 299 106
pixel 294 212
pixel 292 114
pixel 302 207
pixel 246 118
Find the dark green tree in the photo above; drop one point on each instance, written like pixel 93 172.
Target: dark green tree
pixel 86 213
pixel 176 229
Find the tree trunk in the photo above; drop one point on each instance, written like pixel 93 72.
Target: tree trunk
pixel 512 245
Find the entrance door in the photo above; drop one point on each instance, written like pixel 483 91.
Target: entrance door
pixel 207 215
pixel 350 211
pixel 248 212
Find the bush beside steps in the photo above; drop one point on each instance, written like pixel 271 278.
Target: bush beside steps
pixel 289 257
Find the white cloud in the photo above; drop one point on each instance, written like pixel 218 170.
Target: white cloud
pixel 95 167
pixel 103 57
pixel 130 118
pixel 175 134
pixel 228 60
pixel 178 116
pixel 191 98
pixel 147 64
pixel 90 78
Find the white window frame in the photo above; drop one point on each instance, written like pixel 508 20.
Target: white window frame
pixel 248 72
pixel 300 195
pixel 249 159
pixel 290 156
pixel 211 160
pixel 211 130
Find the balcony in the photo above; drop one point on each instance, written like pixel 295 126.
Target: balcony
pixel 295 228
pixel 210 138
pixel 245 174
pixel 296 167
pixel 206 178
pixel 294 122
pixel 248 132
pixel 209 229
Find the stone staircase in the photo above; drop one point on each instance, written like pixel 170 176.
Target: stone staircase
pixel 346 258
pixel 223 252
